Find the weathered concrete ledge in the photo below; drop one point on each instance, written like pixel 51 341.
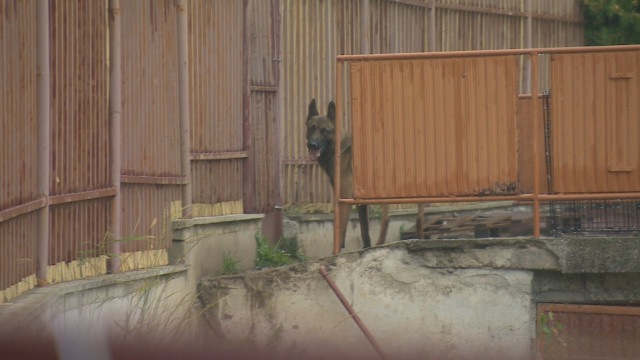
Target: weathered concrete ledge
pixel 208 220
pixel 444 299
pixel 44 306
pixel 567 255
pixel 203 242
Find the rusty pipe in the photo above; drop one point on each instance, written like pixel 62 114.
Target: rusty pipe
pixel 528 44
pixel 471 53
pixel 537 127
pixel 432 27
pixel 412 200
pixel 364 26
pixel 183 90
pixel 338 151
pixel 352 313
pixel 43 115
pixel 115 109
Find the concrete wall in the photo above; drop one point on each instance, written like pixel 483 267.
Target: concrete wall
pixel 442 299
pixel 82 315
pixel 445 299
pixel 157 305
pixel 202 242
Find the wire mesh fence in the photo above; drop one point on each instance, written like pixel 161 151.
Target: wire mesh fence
pixel 594 216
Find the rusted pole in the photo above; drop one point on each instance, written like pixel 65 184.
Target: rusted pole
pixel 537 127
pixel 420 222
pixel 183 89
pixel 248 185
pixel 352 313
pixel 115 109
pixel 409 200
pixel 472 53
pixel 528 43
pixel 364 26
pixel 43 83
pixel 432 26
pixel 338 153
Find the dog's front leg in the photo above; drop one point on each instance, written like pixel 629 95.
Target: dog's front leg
pixel 345 209
pixel 384 224
pixel 363 214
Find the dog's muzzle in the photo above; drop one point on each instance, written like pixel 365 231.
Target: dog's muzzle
pixel 315 149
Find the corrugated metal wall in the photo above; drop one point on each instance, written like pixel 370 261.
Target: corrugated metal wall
pixel 150 126
pixel 567 331
pixel 217 81
pixel 18 179
pixel 249 92
pixel 453 121
pixel 262 193
pixel 596 122
pixel 79 128
pixel 310 44
pixel 315 32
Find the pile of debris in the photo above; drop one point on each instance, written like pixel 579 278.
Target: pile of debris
pixel 473 226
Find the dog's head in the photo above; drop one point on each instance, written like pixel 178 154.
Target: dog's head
pixel 321 130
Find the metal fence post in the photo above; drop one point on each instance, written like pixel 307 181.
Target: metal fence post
pixel 432 27
pixel 115 109
pixel 183 89
pixel 536 138
pixel 364 26
pixel 43 112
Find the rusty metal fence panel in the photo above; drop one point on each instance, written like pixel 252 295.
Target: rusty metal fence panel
pixel 567 331
pixel 18 143
pixel 151 173
pixel 217 81
pixel 79 130
pixel 423 126
pixel 434 127
pixel 595 116
pixel 395 27
pixel 262 191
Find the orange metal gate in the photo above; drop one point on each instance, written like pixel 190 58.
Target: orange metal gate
pixel 442 127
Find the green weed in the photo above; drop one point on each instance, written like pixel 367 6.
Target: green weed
pixel 285 252
pixel 229 265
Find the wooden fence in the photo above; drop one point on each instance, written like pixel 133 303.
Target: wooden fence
pixel 209 121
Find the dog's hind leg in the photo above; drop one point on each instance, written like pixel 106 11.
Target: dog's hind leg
pixel 363 214
pixel 384 225
pixel 420 222
pixel 345 210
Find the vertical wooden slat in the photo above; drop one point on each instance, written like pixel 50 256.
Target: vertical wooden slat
pixel 454 145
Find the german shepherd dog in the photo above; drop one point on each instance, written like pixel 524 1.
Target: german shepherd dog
pixel 321 140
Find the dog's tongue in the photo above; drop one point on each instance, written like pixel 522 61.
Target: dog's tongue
pixel 315 154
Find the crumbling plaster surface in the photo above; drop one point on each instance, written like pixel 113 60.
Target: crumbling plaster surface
pixel 446 299
pixel 441 299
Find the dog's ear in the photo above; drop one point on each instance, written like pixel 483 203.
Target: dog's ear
pixel 313 110
pixel 331 112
